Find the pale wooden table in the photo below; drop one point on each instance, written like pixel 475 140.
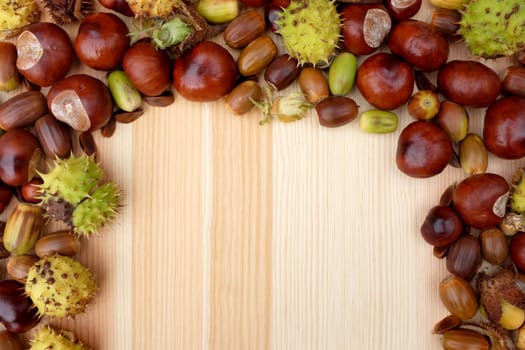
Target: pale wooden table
pixel 235 236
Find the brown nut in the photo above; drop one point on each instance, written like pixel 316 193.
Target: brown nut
pixel 23 228
pixel 282 71
pixel 10 341
pixel 464 256
pixel 473 155
pixel 446 324
pixel 458 297
pixel 461 339
pixel 244 29
pixel 239 100
pixel 54 136
pixel 22 110
pixel 453 119
pixel 514 81
pixel 61 242
pixel 313 84
pixel 256 56
pixel 18 266
pixel 494 246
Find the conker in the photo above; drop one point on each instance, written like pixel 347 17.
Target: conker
pixel 442 226
pixel 504 127
pixel 469 83
pixel 423 149
pixel 420 44
pixel 101 41
pixel 385 80
pixel 81 101
pixel 481 199
pixel 20 154
pixel 364 27
pixel 45 53
pixel 147 68
pixel 205 73
pixel 17 312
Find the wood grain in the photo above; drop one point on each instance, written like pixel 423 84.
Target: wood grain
pixel 236 236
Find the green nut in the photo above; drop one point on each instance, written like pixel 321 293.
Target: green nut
pixel 218 11
pixel 124 93
pixel 23 227
pixel 376 121
pixel 342 73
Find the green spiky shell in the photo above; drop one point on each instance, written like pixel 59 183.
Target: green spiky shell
pixel 493 28
pixel 71 179
pixel 96 210
pixel 47 338
pixel 60 286
pixel 71 192
pixel 310 30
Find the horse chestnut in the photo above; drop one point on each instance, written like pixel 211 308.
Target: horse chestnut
pixel 385 80
pixel 517 250
pixel 45 53
pixel 205 73
pixel 504 127
pixel 82 101
pixel 481 199
pixel 101 41
pixel 420 44
pixel 442 226
pixel 469 83
pixel 423 149
pixel 17 312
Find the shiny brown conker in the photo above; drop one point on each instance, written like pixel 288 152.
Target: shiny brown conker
pixel 360 38
pixel 205 73
pixel 423 149
pixel 17 312
pixel 442 226
pixel 20 154
pixel 481 199
pixel 385 80
pixel 420 44
pixel 504 127
pixel 148 69
pixel 101 41
pixel 45 53
pixel 469 83
pixel 81 101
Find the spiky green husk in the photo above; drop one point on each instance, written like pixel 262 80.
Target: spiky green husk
pixel 60 286
pixel 310 30
pixel 71 192
pixel 47 338
pixel 71 178
pixel 493 28
pixel 97 210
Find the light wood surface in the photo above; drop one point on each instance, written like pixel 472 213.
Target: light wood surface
pixel 236 236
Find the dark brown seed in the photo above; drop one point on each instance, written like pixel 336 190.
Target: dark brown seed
pixel 440 252
pixel 282 71
pixel 423 82
pixel 87 143
pixel 163 100
pixel 109 129
pixel 128 117
pixel 54 136
pixel 446 324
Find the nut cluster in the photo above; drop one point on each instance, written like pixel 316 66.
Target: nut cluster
pixel 383 54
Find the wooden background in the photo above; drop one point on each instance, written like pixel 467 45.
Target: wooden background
pixel 235 236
